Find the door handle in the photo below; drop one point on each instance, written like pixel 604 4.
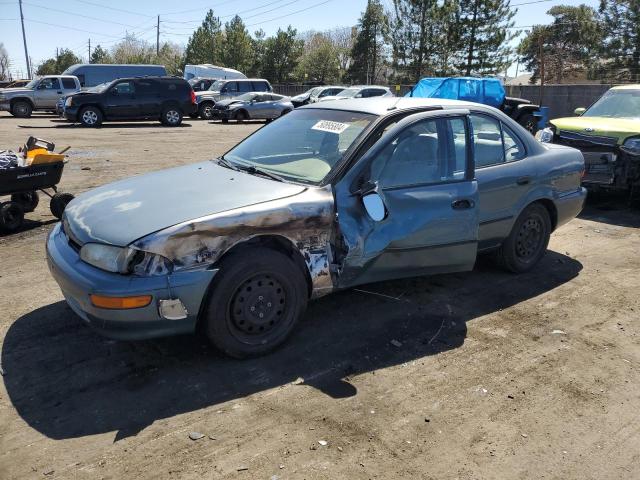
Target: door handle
pixel 462 204
pixel 523 180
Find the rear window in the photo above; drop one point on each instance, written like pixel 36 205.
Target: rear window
pixel 68 83
pixel 244 87
pixel 261 87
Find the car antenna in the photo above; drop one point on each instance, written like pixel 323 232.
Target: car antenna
pixel 395 105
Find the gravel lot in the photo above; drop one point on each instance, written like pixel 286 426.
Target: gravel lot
pixel 490 375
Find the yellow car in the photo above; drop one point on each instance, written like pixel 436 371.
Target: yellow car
pixel 608 134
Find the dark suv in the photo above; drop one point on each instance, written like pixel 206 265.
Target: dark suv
pixel 166 99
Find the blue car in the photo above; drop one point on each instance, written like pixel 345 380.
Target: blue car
pixel 330 196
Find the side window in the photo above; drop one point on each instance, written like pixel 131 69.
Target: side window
pixel 259 87
pixel 427 152
pixel 231 87
pixel 68 84
pixel 513 147
pixel 244 87
pixel 145 87
pixel 123 88
pixel 81 80
pixel 487 140
pixel 376 92
pixel 49 84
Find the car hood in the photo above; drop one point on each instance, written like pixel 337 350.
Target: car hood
pixel 17 90
pixel 122 212
pixel 224 103
pixel 620 128
pixel 206 93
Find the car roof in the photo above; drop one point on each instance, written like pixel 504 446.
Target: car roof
pixel 384 105
pixel 244 80
pixel 627 87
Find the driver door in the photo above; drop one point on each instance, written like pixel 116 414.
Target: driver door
pixel 48 91
pixel 419 177
pixel 121 101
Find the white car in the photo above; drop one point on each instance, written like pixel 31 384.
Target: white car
pixel 360 91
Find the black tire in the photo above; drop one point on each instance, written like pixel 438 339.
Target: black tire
pixel 21 109
pixel 206 111
pixel 11 216
pixel 527 243
pixel 27 200
pixel 171 117
pixel 225 120
pixel 90 117
pixel 194 115
pixel 58 203
pixel 529 122
pixel 241 116
pixel 256 281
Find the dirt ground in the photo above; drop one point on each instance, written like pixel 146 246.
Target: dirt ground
pixel 490 375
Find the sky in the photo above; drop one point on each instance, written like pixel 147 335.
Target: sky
pixel 71 23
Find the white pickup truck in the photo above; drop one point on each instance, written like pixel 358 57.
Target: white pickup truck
pixel 39 94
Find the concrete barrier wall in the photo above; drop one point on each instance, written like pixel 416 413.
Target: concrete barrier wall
pixel 562 100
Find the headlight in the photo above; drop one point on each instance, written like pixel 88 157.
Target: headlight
pixel 545 135
pixel 632 146
pixel 124 260
pixel 68 101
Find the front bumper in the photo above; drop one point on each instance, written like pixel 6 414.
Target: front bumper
pixel 71 113
pixel 223 114
pixel 78 280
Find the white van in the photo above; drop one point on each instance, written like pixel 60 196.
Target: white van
pixel 206 70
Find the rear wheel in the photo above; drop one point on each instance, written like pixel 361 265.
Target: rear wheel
pixel 27 200
pixel 11 216
pixel 256 301
pixel 171 117
pixel 58 203
pixel 21 109
pixel 90 117
pixel 528 240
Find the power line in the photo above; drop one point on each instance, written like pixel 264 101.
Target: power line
pixel 290 14
pixel 238 13
pixel 113 8
pixel 199 9
pixel 76 14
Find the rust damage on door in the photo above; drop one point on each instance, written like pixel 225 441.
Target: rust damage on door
pixel 304 221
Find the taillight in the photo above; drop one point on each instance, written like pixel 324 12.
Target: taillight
pixel 193 97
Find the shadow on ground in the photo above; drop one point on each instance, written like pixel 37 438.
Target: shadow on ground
pixel 108 125
pixel 67 382
pixel 611 208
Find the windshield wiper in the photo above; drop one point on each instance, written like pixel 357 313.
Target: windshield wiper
pixel 257 171
pixel 223 162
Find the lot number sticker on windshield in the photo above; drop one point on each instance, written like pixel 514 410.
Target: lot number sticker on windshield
pixel 329 126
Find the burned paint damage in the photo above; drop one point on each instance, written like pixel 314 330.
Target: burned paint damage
pixel 304 220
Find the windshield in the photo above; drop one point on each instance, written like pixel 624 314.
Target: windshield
pixel 245 97
pixel 99 88
pixel 349 92
pixel 304 146
pixel 32 83
pixel 216 86
pixel 617 104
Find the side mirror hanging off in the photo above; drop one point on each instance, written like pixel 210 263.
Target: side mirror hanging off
pixel 374 206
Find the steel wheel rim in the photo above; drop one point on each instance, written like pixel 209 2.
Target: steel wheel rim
pixel 22 109
pixel 207 111
pixel 530 238
pixel 89 117
pixel 172 116
pixel 257 308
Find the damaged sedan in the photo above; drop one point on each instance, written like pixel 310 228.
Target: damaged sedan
pixel 331 196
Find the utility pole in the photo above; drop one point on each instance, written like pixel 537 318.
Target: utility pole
pixel 158 37
pixel 541 62
pixel 24 40
pixel 89 58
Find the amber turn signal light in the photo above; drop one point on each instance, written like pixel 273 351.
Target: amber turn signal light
pixel 120 303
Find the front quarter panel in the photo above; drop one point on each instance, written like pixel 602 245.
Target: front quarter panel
pixel 304 220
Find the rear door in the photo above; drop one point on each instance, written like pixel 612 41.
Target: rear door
pixel 149 97
pixel 421 172
pixel 121 101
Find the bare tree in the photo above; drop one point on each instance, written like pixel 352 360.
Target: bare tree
pixel 4 63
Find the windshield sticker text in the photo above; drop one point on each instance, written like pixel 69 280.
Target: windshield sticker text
pixel 329 126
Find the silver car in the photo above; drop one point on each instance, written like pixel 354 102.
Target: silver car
pixel 252 106
pixel 331 196
pixel 359 91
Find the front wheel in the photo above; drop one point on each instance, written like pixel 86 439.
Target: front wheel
pixel 206 111
pixel 90 117
pixel 256 301
pixel 171 117
pixel 21 109
pixel 528 240
pixel 58 203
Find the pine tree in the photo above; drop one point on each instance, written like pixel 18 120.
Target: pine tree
pixel 368 52
pixel 100 55
pixel 282 53
pixel 569 43
pixel 621 21
pixel 485 33
pixel 206 43
pixel 258 47
pixel 237 52
pixel 320 61
pixel 55 66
